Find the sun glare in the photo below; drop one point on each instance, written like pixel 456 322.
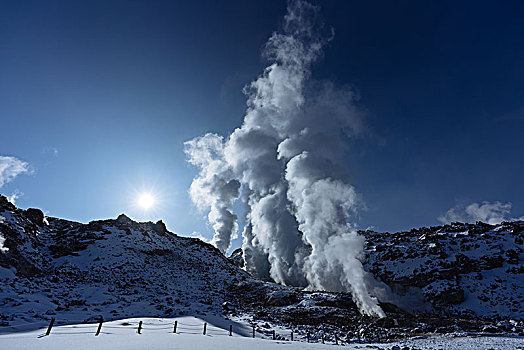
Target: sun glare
pixel 146 201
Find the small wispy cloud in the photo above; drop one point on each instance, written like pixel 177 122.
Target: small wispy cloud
pixel 11 167
pixel 488 212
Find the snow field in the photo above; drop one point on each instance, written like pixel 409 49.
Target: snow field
pixel 158 334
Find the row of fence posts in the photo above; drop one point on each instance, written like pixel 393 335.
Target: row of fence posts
pixel 139 331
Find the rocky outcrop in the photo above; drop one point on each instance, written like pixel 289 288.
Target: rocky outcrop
pixel 237 257
pixel 36 216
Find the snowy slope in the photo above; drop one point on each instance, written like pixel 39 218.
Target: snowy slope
pixel 463 269
pixel 112 268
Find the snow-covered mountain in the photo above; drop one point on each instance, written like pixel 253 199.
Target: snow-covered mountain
pixel 115 269
pixel 461 269
pixel 111 268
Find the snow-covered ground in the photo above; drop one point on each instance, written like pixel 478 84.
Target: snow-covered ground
pixel 158 334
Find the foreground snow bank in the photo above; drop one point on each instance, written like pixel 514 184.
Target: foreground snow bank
pixel 158 334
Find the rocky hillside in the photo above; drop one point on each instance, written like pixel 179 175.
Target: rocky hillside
pixel 469 270
pixel 109 268
pixel 453 278
pixel 120 268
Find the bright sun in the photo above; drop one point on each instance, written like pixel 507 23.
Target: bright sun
pixel 146 200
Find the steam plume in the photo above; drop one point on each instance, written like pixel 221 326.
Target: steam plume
pixel 285 156
pixel 214 188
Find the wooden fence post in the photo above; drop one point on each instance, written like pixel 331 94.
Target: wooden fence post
pixel 50 326
pixel 336 339
pixel 253 331
pixel 291 335
pixel 307 336
pixel 205 327
pixel 174 327
pixel 140 327
pixel 99 326
pixel 230 330
pixel 274 335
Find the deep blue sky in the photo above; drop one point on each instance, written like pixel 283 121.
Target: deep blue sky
pixel 116 87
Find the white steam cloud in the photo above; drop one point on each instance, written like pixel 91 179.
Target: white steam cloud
pixel 489 212
pixel 285 155
pixel 11 167
pixel 214 189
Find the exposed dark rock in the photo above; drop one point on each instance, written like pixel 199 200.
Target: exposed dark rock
pixel 160 228
pixel 490 329
pixel 36 216
pixel 237 257
pixel 123 219
pixel 451 296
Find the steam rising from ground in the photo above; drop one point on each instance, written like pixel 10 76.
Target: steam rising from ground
pixel 285 156
pixel 214 189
